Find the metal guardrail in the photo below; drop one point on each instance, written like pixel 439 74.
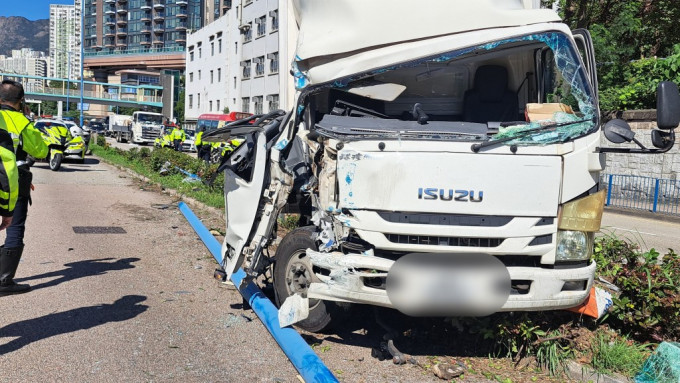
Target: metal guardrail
pixel 657 195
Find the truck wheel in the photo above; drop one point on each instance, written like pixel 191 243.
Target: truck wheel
pixel 293 274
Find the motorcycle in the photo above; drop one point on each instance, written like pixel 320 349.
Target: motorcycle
pixel 58 139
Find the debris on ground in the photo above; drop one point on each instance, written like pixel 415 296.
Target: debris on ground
pixel 448 371
pixel 662 366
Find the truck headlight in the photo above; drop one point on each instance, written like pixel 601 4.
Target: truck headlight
pixel 573 245
pixel 578 221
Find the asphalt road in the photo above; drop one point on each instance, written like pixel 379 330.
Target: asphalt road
pixel 141 305
pixel 657 232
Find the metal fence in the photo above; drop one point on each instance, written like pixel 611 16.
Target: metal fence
pixel 657 195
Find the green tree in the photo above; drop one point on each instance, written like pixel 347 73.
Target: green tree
pixel 179 107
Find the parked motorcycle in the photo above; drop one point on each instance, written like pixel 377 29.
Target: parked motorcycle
pixel 58 139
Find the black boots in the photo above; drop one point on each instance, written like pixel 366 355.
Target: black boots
pixel 9 261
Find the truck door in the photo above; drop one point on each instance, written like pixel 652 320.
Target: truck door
pixel 246 175
pixel 584 43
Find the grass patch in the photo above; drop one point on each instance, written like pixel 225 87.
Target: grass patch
pixel 618 354
pixel 148 163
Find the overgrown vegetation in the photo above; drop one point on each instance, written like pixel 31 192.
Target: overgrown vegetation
pixel 149 163
pixel 612 353
pixel 648 305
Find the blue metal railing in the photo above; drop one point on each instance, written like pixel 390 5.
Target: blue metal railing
pixel 140 51
pixel 657 195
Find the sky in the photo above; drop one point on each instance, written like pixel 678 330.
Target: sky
pixel 30 9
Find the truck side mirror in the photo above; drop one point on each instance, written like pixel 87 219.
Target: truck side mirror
pixel 618 131
pixel 667 105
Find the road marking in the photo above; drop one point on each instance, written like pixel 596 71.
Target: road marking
pixel 634 231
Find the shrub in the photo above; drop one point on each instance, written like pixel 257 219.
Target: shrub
pixel 648 305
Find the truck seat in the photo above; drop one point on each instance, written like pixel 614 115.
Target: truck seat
pixel 490 99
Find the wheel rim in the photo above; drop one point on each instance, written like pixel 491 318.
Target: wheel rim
pixel 299 275
pixel 53 161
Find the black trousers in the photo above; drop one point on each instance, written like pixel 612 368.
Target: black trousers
pixel 15 231
pixel 178 145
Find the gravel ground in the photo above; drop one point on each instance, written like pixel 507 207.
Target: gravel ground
pixel 142 305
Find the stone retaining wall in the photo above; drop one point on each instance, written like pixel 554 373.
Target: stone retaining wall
pixel 666 165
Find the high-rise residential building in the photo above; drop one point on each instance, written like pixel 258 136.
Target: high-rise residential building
pixel 28 62
pixel 240 60
pixel 65 37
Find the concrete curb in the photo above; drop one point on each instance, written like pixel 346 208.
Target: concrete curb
pixel 581 373
pixel 190 201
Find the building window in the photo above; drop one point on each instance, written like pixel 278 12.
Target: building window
pixel 246 69
pixel 200 52
pixel 259 66
pixel 275 19
pixel 257 100
pixel 217 108
pixel 219 46
pixel 235 47
pixel 191 77
pixel 248 33
pixel 234 83
pixel 209 106
pixel 219 74
pixel 191 101
pixel 198 100
pixel 245 104
pixel 273 102
pixel 191 55
pixel 211 77
pixel 199 75
pixel 261 25
pixel 273 62
pixel 212 48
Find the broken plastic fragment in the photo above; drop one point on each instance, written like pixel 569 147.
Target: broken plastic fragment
pixel 294 309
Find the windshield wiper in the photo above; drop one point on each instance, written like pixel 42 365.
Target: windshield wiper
pixel 476 147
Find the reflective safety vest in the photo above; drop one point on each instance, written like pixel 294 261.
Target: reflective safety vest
pixel 25 137
pixel 199 139
pixel 178 134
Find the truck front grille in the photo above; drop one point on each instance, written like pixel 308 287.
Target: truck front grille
pixel 444 241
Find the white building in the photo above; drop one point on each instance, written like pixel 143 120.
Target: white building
pixel 65 37
pixel 28 62
pixel 240 61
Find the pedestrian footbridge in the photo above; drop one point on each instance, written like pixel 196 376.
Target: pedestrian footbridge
pixel 38 88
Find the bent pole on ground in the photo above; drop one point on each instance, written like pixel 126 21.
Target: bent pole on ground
pixel 303 358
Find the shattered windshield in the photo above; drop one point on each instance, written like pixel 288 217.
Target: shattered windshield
pixel 528 90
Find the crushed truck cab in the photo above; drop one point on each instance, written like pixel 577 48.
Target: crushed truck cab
pixel 445 168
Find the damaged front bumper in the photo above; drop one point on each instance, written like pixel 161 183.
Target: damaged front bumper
pixel 542 288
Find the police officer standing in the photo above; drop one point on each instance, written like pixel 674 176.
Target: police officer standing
pixel 26 140
pixel 178 137
pixel 202 148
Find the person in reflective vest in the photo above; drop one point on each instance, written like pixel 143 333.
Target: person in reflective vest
pixel 26 140
pixel 202 148
pixel 178 137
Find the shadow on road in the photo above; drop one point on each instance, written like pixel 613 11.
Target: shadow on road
pixel 83 318
pixel 81 269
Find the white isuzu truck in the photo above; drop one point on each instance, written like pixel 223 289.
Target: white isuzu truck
pixel 140 128
pixel 444 158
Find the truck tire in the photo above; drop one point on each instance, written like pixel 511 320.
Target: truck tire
pixel 290 266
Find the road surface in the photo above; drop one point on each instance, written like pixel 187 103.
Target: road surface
pixel 647 232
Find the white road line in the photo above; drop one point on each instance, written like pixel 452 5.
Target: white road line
pixel 634 231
